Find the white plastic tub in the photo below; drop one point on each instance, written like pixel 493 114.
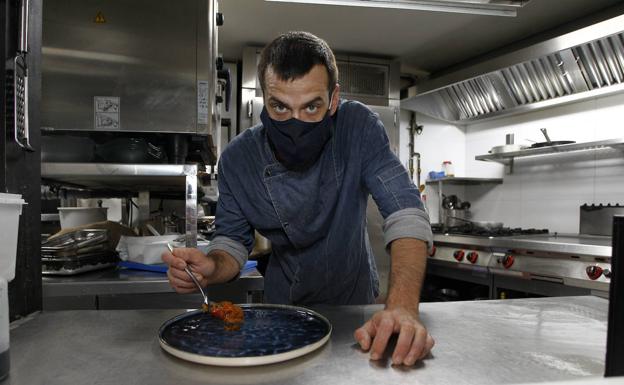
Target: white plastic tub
pixel 10 211
pixel 78 216
pixel 149 249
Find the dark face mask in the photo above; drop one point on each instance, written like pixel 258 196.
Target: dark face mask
pixel 297 144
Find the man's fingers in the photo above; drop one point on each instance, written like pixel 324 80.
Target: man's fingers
pixel 404 343
pixel 428 346
pixel 384 329
pixel 418 346
pixel 178 283
pixel 364 335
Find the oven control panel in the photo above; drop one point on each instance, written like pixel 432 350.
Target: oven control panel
pixel 464 256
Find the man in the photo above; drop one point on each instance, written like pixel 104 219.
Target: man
pixel 302 179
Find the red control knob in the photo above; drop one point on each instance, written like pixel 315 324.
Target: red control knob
pixel 473 256
pixel 594 272
pixel 459 255
pixel 432 251
pixel 508 260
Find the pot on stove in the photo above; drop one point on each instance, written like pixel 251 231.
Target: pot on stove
pixel 455 217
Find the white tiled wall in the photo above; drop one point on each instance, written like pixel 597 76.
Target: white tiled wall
pixel 546 192
pixel 542 192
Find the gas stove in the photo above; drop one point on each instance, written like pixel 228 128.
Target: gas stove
pixel 573 260
pixel 469 229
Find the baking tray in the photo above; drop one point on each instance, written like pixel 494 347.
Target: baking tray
pixel 269 334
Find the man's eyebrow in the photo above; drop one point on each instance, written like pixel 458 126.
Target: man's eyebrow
pixel 276 100
pixel 317 99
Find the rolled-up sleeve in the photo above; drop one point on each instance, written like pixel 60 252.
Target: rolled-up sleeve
pixel 233 233
pixel 396 195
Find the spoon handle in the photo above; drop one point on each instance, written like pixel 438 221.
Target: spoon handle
pixel 188 271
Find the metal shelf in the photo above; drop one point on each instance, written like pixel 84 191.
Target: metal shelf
pixel 465 180
pixel 141 178
pixel 461 181
pixel 507 158
pixel 123 177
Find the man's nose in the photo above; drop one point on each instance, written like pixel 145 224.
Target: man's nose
pixel 296 114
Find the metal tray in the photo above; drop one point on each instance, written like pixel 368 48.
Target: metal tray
pixel 76 242
pixel 269 334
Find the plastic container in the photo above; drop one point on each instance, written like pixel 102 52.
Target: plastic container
pixel 10 211
pixel 148 250
pixel 447 167
pixel 78 216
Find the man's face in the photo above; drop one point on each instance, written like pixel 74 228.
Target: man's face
pixel 305 98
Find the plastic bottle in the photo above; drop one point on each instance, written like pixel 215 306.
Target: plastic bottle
pixel 447 166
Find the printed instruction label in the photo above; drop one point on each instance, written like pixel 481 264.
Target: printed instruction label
pixel 106 112
pixel 202 102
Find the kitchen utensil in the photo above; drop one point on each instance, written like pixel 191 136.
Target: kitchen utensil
pixel 130 150
pixel 506 148
pixel 549 142
pixel 455 217
pixel 450 202
pixel 206 303
pixel 270 334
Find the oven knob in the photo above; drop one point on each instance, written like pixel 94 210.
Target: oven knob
pixel 473 256
pixel 432 251
pixel 459 255
pixel 593 272
pixel 508 260
pixel 606 273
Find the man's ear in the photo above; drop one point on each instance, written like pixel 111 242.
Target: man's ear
pixel 335 99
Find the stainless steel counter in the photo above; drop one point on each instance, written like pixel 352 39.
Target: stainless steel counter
pixel 125 288
pixel 487 342
pixel 573 244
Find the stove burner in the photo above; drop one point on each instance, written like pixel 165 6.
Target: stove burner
pixel 468 229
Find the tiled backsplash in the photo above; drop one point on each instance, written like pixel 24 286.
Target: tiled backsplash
pixel 541 192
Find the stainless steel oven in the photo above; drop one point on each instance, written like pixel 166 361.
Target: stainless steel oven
pixel 131 66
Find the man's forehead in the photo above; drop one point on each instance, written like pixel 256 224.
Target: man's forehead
pixel 314 82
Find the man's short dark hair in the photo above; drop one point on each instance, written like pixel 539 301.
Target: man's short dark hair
pixel 293 54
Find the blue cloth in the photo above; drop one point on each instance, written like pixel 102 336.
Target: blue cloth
pixel 316 219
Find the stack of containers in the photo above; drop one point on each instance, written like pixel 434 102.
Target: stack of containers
pixel 10 211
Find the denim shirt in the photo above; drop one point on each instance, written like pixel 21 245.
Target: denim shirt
pixel 316 219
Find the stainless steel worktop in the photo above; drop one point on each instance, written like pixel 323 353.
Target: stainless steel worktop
pixel 125 281
pixel 573 244
pixel 483 342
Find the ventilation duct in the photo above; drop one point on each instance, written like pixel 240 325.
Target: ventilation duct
pixel 582 64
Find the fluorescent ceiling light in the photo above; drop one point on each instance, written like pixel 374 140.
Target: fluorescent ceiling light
pixel 476 7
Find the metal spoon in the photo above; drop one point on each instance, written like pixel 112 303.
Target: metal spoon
pixel 206 304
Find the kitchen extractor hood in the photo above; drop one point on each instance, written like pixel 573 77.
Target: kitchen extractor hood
pixel 586 63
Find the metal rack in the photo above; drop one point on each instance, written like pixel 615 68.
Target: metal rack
pixel 507 158
pixel 463 181
pixel 139 178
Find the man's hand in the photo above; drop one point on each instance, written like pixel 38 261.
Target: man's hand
pixel 215 267
pixel 413 344
pixel 200 265
pixel 409 258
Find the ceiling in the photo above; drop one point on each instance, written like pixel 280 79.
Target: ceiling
pixel 424 42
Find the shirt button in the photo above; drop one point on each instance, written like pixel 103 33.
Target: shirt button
pixel 286 224
pixel 267 173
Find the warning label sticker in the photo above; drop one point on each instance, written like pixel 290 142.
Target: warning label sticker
pixel 106 112
pixel 202 102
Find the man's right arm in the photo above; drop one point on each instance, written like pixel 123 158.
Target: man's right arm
pixel 227 252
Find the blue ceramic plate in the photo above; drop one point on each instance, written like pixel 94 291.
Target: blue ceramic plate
pixel 270 333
